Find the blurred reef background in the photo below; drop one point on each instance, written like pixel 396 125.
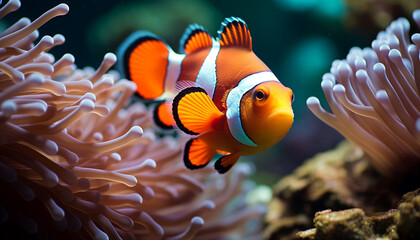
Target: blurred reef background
pixel 298 40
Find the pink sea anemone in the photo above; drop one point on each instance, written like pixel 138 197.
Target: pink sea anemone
pixel 374 98
pixel 75 163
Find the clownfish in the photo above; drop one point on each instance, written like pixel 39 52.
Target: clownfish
pixel 217 90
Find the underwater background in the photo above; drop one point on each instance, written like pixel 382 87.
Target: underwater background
pixel 297 39
pixel 76 148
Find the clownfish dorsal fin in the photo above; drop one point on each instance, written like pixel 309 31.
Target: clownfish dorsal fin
pixel 194 111
pixel 197 154
pixel 195 38
pixel 235 32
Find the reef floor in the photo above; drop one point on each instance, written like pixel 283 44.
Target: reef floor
pixel 338 195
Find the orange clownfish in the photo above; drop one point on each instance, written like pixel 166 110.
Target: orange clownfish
pixel 216 89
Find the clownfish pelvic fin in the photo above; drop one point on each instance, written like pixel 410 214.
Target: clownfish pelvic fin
pixel 223 164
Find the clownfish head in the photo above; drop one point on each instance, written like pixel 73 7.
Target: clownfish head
pixel 266 113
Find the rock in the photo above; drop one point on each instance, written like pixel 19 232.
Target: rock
pixel 353 224
pixel 339 179
pixel 408 226
pixel 383 224
pixel 286 228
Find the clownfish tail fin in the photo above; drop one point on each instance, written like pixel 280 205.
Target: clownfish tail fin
pixel 143 59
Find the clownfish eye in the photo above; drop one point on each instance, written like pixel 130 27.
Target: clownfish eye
pixel 260 94
pixel 293 97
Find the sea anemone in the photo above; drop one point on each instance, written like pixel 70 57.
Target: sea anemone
pixel 75 163
pixel 374 98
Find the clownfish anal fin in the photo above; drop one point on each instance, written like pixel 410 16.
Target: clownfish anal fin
pixel 235 32
pixel 195 112
pixel 143 59
pixel 223 164
pixel 197 154
pixel 162 116
pixel 195 38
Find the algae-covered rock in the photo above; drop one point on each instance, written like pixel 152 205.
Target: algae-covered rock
pixel 353 224
pixel 383 224
pixel 338 179
pixel 409 220
pixel 286 228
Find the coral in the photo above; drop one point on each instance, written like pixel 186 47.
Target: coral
pixel 346 224
pixel 353 224
pixel 338 179
pixel 374 98
pixel 362 202
pixel 75 163
pixel 409 217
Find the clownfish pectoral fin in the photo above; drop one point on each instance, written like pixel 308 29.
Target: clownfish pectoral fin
pixel 197 153
pixel 195 112
pixel 224 163
pixel 195 38
pixel 143 58
pixel 162 116
pixel 235 32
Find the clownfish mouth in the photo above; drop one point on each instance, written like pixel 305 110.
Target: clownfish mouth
pixel 282 113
